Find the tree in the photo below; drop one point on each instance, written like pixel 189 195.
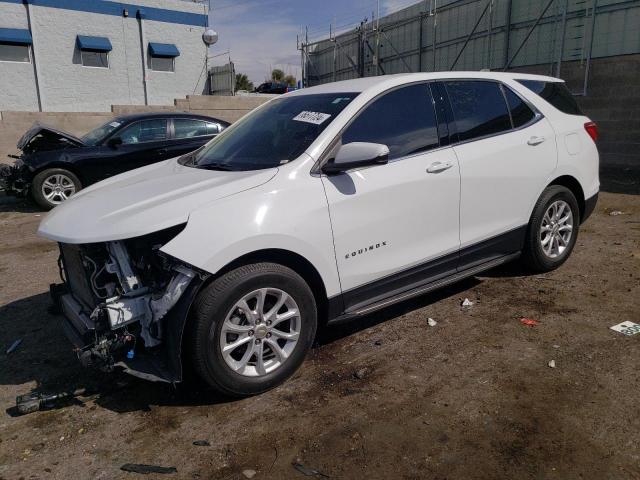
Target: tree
pixel 243 83
pixel 290 80
pixel 277 75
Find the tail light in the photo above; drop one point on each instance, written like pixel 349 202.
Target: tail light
pixel 592 130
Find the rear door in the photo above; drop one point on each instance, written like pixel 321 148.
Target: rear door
pixel 395 225
pixel 506 152
pixel 189 134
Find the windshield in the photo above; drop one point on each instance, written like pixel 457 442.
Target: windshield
pixel 274 134
pixel 96 135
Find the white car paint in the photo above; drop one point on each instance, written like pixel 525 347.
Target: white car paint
pixel 491 187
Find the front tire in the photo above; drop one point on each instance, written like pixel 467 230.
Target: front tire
pixel 53 186
pixel 553 229
pixel 251 328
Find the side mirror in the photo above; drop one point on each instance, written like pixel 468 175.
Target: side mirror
pixel 356 155
pixel 114 142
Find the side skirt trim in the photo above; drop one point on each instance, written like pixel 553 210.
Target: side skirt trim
pixel 348 316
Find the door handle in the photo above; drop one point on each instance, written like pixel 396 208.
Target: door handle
pixel 533 141
pixel 437 167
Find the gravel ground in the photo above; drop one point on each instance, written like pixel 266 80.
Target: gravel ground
pixel 472 397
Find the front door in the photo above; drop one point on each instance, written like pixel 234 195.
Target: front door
pixel 395 225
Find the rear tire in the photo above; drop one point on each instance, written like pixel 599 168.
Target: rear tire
pixel 241 348
pixel 553 229
pixel 53 186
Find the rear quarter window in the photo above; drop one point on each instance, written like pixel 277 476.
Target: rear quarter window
pixel 556 93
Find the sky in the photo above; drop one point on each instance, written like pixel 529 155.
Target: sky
pixel 261 34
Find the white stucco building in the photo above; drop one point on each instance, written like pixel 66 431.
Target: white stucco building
pixel 85 55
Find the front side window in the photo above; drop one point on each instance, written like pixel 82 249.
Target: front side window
pixel 94 59
pixel 145 131
pixel 188 128
pixel 479 108
pixel 521 114
pixel 404 120
pixel 556 93
pixel 14 53
pixel 162 64
pixel 272 135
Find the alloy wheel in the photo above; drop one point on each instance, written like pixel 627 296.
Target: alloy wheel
pixel 556 229
pixel 260 332
pixel 57 188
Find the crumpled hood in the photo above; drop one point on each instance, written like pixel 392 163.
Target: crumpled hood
pixel 51 139
pixel 143 201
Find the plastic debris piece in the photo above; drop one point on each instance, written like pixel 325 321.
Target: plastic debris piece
pixel 466 303
pixel 248 473
pixel 202 443
pixel 529 322
pixel 615 213
pixel 308 472
pixel 552 364
pixel 14 346
pixel 626 328
pixel 432 322
pixel 130 354
pixel 360 373
pixel 145 469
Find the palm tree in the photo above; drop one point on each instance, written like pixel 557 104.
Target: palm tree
pixel 243 83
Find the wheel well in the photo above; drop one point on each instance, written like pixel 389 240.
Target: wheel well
pixel 295 262
pixel 64 166
pixel 572 184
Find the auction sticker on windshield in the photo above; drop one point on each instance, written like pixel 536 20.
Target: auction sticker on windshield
pixel 311 117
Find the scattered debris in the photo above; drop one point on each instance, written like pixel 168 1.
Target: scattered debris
pixel 466 303
pixel 361 373
pixel 308 472
pixel 556 346
pixel 248 473
pixel 202 443
pixel 145 469
pixel 552 364
pixel 13 346
pixel 432 322
pixel 627 328
pixel 615 213
pixel 529 322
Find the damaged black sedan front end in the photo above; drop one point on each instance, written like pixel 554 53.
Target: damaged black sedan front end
pixel 125 304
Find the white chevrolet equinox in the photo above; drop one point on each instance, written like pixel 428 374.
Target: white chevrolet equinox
pixel 318 207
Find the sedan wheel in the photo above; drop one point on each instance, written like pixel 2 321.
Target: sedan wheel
pixel 556 229
pixel 57 188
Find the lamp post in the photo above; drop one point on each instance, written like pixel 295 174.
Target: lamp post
pixel 209 37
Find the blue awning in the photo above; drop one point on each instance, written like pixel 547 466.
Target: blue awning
pixel 94 44
pixel 15 36
pixel 163 50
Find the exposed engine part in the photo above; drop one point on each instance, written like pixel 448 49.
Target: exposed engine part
pixel 123 311
pixel 122 266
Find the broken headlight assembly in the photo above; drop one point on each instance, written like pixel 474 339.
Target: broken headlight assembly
pixel 116 295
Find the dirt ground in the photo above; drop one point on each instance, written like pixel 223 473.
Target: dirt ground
pixel 387 397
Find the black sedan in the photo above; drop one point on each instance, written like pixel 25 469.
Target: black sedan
pixel 54 164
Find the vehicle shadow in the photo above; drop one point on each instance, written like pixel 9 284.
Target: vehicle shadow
pixel 45 357
pixel 17 205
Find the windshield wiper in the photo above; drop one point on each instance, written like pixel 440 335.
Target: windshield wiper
pixel 215 166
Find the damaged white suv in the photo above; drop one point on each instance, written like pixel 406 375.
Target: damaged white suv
pixel 320 206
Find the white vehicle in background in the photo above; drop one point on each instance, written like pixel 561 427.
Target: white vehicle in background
pixel 319 207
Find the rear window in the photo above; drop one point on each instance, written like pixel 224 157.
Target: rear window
pixel 556 93
pixel 521 114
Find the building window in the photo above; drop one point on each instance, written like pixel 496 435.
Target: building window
pixel 162 57
pixel 94 51
pixel 15 45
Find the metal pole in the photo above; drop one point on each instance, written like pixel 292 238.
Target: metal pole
pixel 435 31
pixel 563 31
pixel 489 31
pixel 507 34
pixel 473 30
pixel 544 10
pixel 335 51
pixel 420 42
pixel 33 58
pixel 586 69
pixel 144 58
pixel 378 38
